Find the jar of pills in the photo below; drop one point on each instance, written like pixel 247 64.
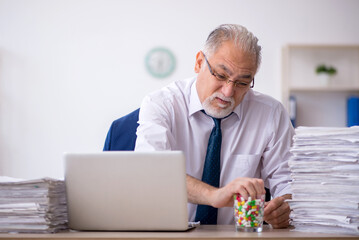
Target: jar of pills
pixel 248 213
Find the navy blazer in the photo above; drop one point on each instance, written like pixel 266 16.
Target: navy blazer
pixel 122 134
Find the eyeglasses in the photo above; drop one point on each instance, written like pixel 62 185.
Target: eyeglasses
pixel 221 78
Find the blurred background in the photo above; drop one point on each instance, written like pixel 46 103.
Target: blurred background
pixel 68 68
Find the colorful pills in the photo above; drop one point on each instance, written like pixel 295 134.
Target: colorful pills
pixel 248 214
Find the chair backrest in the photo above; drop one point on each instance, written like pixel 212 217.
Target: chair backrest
pixel 122 133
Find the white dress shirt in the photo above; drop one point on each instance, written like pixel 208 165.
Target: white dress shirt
pixel 255 139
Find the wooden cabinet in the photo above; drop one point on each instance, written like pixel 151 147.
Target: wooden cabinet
pixel 317 101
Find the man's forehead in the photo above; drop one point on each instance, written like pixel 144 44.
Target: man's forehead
pixel 244 68
pixel 224 68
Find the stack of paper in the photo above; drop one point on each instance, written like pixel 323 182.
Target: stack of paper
pixel 37 206
pixel 325 180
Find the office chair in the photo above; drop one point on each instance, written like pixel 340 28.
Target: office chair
pixel 122 136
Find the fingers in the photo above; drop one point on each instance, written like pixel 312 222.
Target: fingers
pixel 273 205
pixel 277 213
pixel 246 187
pixel 249 187
pixel 245 191
pixel 279 222
pixel 260 188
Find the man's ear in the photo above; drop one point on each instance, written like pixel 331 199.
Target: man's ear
pixel 199 61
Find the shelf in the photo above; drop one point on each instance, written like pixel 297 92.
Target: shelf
pixel 318 102
pixel 324 89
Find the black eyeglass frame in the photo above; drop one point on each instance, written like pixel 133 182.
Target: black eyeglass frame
pixel 225 80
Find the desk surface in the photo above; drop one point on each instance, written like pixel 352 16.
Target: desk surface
pixel 222 232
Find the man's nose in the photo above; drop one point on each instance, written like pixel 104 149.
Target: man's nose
pixel 228 89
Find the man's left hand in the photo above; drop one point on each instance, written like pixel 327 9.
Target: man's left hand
pixel 276 212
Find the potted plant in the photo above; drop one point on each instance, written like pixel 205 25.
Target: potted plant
pixel 325 73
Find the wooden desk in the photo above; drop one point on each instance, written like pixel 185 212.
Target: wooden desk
pixel 223 232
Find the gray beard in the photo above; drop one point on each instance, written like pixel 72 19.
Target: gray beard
pixel 217 112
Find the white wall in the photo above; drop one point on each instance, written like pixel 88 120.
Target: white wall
pixel 69 68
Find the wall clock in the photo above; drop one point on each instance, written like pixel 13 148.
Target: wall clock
pixel 160 62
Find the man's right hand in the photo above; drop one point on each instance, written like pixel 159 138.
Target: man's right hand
pixel 202 193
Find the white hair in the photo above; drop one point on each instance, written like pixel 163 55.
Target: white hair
pixel 241 37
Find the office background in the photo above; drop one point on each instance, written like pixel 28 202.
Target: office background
pixel 68 68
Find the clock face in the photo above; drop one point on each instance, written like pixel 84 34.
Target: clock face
pixel 160 62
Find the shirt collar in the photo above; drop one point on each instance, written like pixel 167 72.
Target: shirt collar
pixel 194 103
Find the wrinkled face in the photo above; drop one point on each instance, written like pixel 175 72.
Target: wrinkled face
pixel 218 95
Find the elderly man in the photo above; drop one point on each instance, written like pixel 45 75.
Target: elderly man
pixel 248 134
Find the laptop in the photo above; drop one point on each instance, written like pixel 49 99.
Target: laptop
pixel 126 191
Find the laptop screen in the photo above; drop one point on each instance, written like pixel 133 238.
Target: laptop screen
pixel 123 190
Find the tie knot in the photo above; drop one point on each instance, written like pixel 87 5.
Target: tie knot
pixel 217 122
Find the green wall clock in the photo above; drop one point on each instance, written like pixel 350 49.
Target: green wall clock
pixel 160 62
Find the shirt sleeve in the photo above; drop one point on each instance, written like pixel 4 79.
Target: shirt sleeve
pixel 275 171
pixel 154 130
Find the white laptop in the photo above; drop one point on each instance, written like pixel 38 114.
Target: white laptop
pixel 126 191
